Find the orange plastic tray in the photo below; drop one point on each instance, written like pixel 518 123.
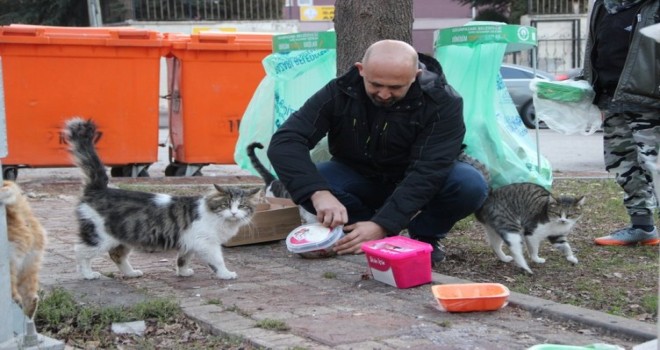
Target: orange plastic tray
pixel 470 297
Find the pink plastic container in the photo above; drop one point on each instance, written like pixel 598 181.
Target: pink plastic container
pixel 399 261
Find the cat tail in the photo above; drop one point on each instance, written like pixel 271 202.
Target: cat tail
pixel 80 135
pixel 257 165
pixel 481 167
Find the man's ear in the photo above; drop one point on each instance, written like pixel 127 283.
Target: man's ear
pixel 360 68
pixel 419 72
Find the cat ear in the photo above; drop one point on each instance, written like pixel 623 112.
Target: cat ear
pixel 580 200
pixel 220 189
pixel 253 191
pixel 552 199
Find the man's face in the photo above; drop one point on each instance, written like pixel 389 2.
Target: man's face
pixel 386 82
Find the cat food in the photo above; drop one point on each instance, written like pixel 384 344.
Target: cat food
pixel 313 240
pixel 399 261
pixel 470 297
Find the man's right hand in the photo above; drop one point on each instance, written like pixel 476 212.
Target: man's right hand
pixel 329 210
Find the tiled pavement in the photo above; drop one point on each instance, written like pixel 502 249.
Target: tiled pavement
pixel 326 303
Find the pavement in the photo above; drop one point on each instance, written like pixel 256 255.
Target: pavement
pixel 326 303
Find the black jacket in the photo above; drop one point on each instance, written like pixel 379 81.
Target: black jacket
pixel 413 143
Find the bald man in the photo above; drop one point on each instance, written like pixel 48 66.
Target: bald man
pixel 395 128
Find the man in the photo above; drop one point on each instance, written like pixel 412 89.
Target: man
pixel 395 128
pixel 623 67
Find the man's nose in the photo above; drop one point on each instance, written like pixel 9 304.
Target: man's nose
pixel 384 94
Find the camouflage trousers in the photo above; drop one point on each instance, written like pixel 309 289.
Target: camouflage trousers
pixel 630 143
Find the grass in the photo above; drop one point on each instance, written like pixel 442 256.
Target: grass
pixel 81 326
pixel 621 281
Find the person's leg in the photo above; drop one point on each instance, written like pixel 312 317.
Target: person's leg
pixel 630 144
pixel 360 196
pixel 464 192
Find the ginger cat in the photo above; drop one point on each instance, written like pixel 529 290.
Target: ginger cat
pixel 27 239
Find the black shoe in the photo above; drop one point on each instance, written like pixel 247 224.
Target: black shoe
pixel 439 252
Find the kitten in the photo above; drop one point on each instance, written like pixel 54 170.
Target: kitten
pixel 523 214
pixel 27 239
pixel 274 187
pixel 116 221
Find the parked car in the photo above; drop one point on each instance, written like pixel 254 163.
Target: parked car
pixel 517 78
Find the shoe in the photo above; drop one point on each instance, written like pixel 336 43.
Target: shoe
pixel 439 252
pixel 630 236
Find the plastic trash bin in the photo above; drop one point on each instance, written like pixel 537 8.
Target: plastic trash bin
pixel 211 79
pixel 110 75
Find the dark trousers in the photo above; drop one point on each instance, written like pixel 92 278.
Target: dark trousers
pixel 463 193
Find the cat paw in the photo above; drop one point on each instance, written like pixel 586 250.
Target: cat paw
pixel 92 275
pixel 572 259
pixel 185 272
pixel 227 275
pixel 134 273
pixel 506 258
pixel 538 260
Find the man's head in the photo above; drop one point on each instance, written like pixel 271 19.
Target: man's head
pixel 389 67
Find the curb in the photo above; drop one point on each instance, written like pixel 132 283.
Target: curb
pixel 611 324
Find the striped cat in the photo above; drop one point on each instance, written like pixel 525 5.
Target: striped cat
pixel 117 221
pixel 525 214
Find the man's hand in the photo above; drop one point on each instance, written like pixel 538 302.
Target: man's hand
pixel 329 210
pixel 359 233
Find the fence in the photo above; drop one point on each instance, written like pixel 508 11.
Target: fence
pixel 186 10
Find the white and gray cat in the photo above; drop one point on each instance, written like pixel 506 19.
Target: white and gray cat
pixel 274 187
pixel 117 221
pixel 523 215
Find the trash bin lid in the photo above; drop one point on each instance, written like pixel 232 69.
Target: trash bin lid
pixel 222 41
pixel 91 36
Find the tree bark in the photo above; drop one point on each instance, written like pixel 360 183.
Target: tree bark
pixel 360 23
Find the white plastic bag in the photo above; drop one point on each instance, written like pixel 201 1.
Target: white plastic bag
pixel 566 106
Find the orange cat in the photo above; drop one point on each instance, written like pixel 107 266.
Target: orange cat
pixel 27 239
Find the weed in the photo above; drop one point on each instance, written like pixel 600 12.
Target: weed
pixel 329 275
pixel 275 325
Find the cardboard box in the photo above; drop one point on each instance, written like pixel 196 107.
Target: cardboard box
pixel 272 221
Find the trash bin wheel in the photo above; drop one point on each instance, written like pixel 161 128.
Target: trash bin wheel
pixel 174 169
pixel 9 173
pixel 127 170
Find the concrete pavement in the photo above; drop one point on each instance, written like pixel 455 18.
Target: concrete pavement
pixel 326 303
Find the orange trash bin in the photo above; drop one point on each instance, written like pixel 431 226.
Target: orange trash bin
pixel 211 79
pixel 110 75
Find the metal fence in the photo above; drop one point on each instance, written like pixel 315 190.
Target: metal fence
pixel 554 7
pixel 191 10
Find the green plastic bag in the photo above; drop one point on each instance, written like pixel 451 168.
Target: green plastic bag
pixel 291 78
pixel 495 134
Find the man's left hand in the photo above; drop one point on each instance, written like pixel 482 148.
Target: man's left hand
pixel 358 233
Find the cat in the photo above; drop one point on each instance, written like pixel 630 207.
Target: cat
pixel 117 221
pixel 523 214
pixel 27 241
pixel 274 187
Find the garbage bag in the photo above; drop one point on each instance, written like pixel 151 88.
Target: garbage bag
pixel 495 134
pixel 566 106
pixel 291 78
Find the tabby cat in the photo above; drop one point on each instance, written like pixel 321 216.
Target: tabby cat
pixel 274 187
pixel 523 214
pixel 27 240
pixel 116 221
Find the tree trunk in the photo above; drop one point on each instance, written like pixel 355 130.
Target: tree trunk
pixel 360 23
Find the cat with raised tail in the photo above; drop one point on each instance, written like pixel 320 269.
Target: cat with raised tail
pixel 27 241
pixel 272 186
pixel 522 215
pixel 117 221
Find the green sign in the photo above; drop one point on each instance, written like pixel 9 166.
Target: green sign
pixel 516 37
pixel 304 41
